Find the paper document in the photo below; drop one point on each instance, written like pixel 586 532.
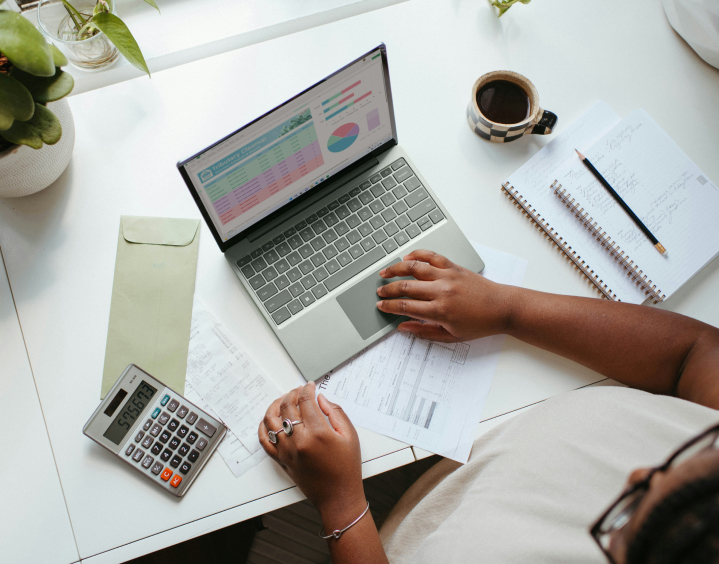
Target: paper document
pixel 227 378
pixel 233 452
pixel 427 394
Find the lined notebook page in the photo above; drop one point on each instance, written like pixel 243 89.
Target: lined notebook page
pixel 663 187
pixel 533 181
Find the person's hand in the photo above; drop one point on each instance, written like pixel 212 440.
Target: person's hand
pixel 322 458
pixel 455 303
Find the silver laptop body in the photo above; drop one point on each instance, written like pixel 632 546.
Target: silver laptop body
pixel 310 201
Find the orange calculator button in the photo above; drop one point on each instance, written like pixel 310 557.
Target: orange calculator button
pixel 166 474
pixel 176 479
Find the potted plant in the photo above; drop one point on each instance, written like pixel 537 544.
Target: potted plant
pixel 37 132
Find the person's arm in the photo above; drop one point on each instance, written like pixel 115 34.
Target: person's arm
pixel 324 460
pixel 643 347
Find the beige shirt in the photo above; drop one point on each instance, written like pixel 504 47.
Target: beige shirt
pixel 535 484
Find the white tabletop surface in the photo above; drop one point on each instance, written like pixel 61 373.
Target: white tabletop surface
pixel 60 244
pixel 34 521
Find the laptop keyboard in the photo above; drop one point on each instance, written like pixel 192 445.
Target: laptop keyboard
pixel 339 241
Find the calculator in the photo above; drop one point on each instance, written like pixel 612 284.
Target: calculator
pixel 155 430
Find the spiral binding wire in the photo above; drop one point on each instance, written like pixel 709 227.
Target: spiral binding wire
pixel 630 267
pixel 549 233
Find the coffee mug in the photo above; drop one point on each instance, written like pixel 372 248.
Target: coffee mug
pixel 505 106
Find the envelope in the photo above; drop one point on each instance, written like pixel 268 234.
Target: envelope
pixel 152 292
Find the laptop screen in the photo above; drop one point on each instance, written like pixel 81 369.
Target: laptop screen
pixel 287 152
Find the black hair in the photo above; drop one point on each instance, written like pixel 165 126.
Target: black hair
pixel 683 528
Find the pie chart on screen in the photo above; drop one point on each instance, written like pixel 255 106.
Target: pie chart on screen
pixel 343 137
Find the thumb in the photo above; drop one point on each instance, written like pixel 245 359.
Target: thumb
pixel 337 416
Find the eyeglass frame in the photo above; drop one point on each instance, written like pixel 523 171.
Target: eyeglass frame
pixel 596 529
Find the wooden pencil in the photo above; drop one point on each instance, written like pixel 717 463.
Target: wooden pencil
pixel 622 203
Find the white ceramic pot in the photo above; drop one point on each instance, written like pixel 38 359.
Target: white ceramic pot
pixel 24 171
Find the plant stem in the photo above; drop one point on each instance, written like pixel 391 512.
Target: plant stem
pixel 69 7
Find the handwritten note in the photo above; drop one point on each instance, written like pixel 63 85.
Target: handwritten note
pixel 668 192
pixel 535 177
pixel 227 378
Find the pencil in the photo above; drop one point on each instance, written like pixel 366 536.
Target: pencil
pixel 622 203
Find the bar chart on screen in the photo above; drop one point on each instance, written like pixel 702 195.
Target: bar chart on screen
pixel 348 97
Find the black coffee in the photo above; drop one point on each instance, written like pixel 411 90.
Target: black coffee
pixel 502 101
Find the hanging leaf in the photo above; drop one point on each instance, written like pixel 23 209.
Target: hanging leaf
pixel 58 59
pixel 23 45
pixel 45 89
pixel 117 32
pixel 43 127
pixel 152 3
pixel 15 102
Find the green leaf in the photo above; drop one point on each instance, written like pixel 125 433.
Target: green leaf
pixel 117 32
pixel 58 59
pixel 152 3
pixel 45 89
pixel 43 127
pixel 15 102
pixel 23 45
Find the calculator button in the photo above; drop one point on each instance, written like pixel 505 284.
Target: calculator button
pixel 157 468
pixel 201 444
pixel 156 413
pixel 184 449
pixel 138 455
pixel 147 462
pixel 164 418
pixel 174 443
pixel 176 479
pixel 206 428
pixel 166 474
pixel 129 450
pixel 173 405
pixel 147 425
pixel 166 454
pixel 192 437
pixel 139 436
pixel 185 468
pixel 156 449
pixel 175 462
pixel 174 424
pixel 182 432
pixel 155 430
pixel 194 455
pixel 165 436
pixel 191 418
pixel 165 400
pixel 182 411
pixel 147 443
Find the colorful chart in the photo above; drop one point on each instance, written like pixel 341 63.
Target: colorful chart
pixel 343 137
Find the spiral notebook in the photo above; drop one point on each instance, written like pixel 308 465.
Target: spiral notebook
pixel 669 193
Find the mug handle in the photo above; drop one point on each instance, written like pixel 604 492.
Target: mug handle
pixel 545 124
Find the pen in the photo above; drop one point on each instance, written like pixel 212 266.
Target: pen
pixel 622 203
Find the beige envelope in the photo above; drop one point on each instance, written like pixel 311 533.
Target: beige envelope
pixel 152 293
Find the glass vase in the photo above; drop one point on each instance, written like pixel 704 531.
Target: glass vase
pixel 92 54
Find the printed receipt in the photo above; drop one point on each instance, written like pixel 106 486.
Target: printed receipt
pixel 227 379
pixel 423 393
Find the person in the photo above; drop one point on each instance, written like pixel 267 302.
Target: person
pixel 535 484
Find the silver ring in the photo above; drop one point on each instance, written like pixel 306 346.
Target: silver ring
pixel 288 426
pixel 273 434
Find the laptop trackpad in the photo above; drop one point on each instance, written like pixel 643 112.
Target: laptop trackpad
pixel 360 304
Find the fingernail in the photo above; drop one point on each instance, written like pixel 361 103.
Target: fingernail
pixel 379 304
pixel 379 290
pixel 383 272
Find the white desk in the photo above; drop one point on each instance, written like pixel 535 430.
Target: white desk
pixel 34 521
pixel 60 244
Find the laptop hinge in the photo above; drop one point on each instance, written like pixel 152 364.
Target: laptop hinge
pixel 341 181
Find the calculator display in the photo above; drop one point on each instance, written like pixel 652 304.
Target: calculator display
pixel 130 412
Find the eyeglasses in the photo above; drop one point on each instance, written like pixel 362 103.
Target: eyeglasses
pixel 622 510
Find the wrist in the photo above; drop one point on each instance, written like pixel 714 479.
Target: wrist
pixel 510 300
pixel 341 510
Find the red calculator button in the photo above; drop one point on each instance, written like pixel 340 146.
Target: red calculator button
pixel 166 474
pixel 175 481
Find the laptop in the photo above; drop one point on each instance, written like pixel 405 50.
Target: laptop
pixel 311 200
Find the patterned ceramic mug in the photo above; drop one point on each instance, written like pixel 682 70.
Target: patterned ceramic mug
pixel 538 121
